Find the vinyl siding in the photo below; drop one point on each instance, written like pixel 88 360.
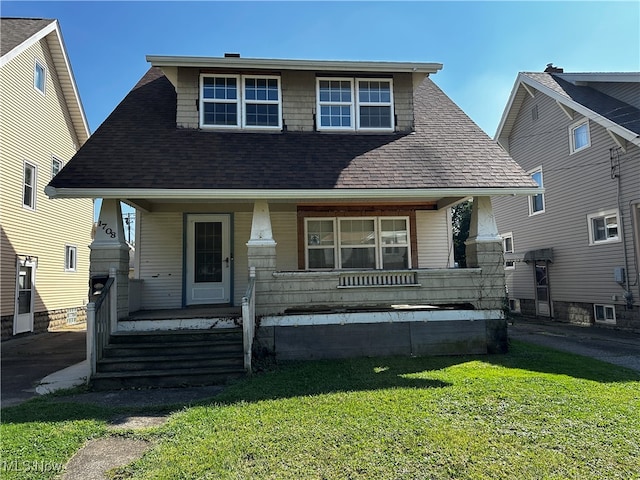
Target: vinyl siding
pixel 298 99
pixel 34 128
pixel 576 185
pixel 435 241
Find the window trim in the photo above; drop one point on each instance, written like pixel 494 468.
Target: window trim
pixel 33 186
pixel 572 139
pixel 505 236
pixel 605 307
pixel 70 252
pixel 38 63
pixel 240 102
pixel 337 247
pixel 531 197
pixel 604 214
pixel 55 160
pixel 354 105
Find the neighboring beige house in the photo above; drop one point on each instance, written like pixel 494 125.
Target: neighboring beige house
pixel 573 253
pixel 44 244
pixel 333 180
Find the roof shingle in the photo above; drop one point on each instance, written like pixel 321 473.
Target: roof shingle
pixel 14 31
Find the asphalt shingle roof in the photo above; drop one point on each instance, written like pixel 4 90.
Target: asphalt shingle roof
pixel 14 31
pixel 139 147
pixel 612 109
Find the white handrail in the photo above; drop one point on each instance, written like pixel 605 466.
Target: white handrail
pixel 249 318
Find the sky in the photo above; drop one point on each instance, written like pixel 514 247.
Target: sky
pixel 482 45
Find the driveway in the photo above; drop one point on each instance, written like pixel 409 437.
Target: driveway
pixel 28 359
pixel 606 344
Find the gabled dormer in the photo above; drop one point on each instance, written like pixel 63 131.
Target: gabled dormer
pixel 266 95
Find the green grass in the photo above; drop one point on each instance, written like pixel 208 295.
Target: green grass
pixel 531 414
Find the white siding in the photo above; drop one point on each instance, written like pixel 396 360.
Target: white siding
pixel 435 244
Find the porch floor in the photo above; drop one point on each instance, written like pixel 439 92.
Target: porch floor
pixel 199 311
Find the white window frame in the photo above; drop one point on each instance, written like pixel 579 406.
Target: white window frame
pixel 56 161
pixel 240 102
pixel 531 198
pixel 610 319
pixel 33 186
pixel 70 258
pixel 378 245
pixel 508 264
pixel 604 214
pixel 38 63
pixel 572 136
pixel 354 105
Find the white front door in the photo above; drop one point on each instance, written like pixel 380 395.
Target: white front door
pixel 208 260
pixel 25 293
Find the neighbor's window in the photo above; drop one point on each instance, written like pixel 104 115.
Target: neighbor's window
pixel 70 258
pixel 56 166
pixel 370 108
pixel 603 227
pixel 579 136
pixel 240 101
pixel 39 75
pixel 507 242
pixel 29 190
pixel 357 242
pixel 604 313
pixel 536 202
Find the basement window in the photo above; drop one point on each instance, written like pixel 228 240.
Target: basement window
pixel 604 313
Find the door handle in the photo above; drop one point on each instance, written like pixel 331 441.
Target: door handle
pixel 227 261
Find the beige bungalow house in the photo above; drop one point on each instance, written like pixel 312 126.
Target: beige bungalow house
pixel 44 254
pixel 307 201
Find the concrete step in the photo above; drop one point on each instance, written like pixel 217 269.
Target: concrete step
pixel 164 378
pixel 175 348
pixel 170 336
pixel 175 362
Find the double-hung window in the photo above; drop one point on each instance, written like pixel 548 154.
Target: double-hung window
pixel 507 242
pixel 579 137
pixel 39 76
pixel 355 104
pixel 536 202
pixel 238 101
pixel 357 243
pixel 29 186
pixel 603 227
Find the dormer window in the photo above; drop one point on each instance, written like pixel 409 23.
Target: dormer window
pixel 369 108
pixel 237 101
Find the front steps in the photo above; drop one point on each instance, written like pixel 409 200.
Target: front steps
pixel 174 358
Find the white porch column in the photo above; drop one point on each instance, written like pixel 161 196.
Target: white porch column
pixel 109 251
pixel 261 247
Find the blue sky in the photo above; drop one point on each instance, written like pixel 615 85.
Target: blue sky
pixel 483 45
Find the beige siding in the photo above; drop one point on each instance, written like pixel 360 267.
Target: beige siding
pixel 298 99
pixel 160 259
pixel 34 128
pixel 577 185
pixel 435 245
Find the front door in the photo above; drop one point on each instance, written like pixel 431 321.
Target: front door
pixel 208 260
pixel 543 297
pixel 25 293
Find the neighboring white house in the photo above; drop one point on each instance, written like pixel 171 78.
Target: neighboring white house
pixel 44 254
pixel 573 253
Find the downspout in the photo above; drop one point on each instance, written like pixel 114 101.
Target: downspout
pixel 614 156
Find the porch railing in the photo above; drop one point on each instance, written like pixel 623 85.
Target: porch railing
pixel 249 318
pixel 101 320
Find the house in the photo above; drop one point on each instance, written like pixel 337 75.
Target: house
pixel 572 253
pixel 316 195
pixel 44 255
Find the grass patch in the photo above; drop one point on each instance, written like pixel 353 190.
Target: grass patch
pixel 530 414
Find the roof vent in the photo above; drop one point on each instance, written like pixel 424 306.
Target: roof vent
pixel 551 69
pixel 231 55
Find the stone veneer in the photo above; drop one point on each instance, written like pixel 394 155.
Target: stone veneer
pixel 45 321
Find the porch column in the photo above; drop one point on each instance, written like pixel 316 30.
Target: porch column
pixel 484 250
pixel 261 246
pixel 110 251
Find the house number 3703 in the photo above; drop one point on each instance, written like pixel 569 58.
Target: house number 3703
pixel 106 228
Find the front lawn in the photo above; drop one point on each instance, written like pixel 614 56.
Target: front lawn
pixel 530 414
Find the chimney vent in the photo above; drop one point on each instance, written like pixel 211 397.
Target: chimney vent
pixel 551 69
pixel 231 55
